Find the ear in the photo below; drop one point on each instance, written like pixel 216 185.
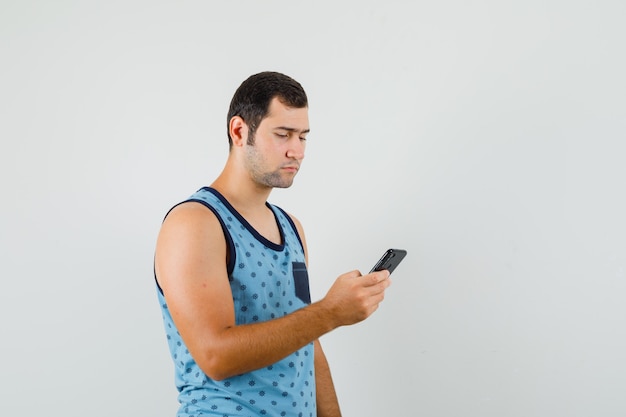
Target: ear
pixel 238 130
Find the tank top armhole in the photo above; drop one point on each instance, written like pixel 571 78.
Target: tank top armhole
pixel 229 240
pixel 293 226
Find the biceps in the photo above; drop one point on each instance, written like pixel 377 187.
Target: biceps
pixel 200 303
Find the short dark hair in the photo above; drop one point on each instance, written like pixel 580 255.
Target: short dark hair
pixel 252 99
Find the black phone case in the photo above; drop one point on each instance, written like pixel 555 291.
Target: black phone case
pixel 390 260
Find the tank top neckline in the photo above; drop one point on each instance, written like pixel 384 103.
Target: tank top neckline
pixel 279 247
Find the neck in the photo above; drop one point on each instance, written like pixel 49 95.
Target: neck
pixel 240 191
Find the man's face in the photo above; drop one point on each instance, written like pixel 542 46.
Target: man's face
pixel 274 158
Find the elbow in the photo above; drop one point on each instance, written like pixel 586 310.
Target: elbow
pixel 216 374
pixel 215 367
pixel 217 358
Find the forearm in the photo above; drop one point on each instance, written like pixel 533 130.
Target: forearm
pixel 224 350
pixel 244 348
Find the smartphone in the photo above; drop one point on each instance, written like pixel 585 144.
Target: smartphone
pixel 390 260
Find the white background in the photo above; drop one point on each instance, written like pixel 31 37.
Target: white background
pixel 485 137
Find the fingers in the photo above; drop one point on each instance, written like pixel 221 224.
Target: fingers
pixel 370 279
pixel 374 303
pixel 354 297
pixel 375 285
pixel 381 275
pixel 352 274
pixel 378 277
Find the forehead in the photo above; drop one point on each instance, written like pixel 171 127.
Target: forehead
pixel 284 116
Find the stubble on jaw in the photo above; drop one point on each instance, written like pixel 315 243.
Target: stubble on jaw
pixel 256 166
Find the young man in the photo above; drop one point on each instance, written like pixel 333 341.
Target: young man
pixel 232 278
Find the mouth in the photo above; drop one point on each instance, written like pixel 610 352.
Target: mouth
pixel 291 168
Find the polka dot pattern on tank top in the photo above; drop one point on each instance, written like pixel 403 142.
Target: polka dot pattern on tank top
pixel 264 288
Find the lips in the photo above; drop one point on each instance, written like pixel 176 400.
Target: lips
pixel 293 168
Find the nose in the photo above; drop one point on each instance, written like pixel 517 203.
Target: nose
pixel 296 149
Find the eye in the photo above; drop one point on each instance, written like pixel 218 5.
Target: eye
pixel 282 135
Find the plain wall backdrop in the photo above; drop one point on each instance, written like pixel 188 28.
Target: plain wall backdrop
pixel 485 137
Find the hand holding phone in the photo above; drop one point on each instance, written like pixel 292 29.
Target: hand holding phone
pixel 390 260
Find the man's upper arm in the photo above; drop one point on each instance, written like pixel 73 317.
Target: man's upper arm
pixel 190 265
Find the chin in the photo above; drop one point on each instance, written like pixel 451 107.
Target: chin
pixel 283 185
pixel 275 181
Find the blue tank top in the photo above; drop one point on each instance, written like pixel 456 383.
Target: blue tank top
pixel 268 281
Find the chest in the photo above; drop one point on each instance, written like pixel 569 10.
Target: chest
pixel 265 224
pixel 262 282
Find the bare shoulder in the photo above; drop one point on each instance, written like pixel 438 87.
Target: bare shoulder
pixel 190 221
pixel 190 211
pixel 190 236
